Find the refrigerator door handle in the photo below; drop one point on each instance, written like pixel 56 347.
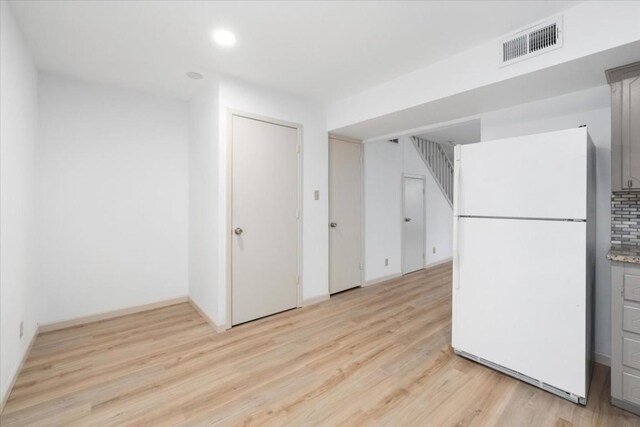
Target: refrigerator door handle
pixel 456 180
pixel 456 226
pixel 456 270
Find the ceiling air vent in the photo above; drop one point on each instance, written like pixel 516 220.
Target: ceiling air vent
pixel 532 41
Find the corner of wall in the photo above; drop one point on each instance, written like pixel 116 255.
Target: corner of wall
pixel 18 124
pixel 203 257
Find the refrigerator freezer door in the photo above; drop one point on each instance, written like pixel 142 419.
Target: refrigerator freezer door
pixel 521 300
pixel 535 176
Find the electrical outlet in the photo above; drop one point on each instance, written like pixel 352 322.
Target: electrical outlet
pixel 21 329
pixel 386 262
pixel 316 194
pixel 434 249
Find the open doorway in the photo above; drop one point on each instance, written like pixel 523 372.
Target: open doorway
pixel 390 250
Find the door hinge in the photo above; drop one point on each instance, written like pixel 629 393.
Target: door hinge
pixel 298 214
pixel 361 266
pixel 297 148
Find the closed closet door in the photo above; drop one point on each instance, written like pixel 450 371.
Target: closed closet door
pixel 345 232
pixel 264 218
pixel 413 233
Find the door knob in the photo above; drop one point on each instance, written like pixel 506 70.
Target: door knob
pixel 333 225
pixel 238 231
pixel 407 220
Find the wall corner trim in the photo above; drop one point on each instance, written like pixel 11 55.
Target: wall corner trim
pixel 382 279
pixel 25 356
pixel 315 300
pixel 210 321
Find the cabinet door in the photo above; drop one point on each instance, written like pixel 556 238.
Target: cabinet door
pixel 631 132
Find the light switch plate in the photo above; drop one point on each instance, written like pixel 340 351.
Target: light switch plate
pixel 316 194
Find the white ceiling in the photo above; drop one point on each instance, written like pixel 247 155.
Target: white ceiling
pixel 459 133
pixel 325 50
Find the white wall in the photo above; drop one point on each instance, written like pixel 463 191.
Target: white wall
pixel 592 108
pixel 382 209
pixel 384 165
pixel 203 200
pixel 243 96
pixel 114 198
pixel 18 174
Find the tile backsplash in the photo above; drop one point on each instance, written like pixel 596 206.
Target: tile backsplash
pixel 625 218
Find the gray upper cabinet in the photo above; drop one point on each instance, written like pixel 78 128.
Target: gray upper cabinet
pixel 625 126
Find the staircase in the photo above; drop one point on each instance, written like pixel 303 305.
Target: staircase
pixel 438 163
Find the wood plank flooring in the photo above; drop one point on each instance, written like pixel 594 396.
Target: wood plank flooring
pixel 374 356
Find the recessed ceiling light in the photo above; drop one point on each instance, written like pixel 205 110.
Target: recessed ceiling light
pixel 224 38
pixel 193 75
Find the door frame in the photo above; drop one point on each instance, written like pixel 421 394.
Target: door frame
pixel 231 113
pixel 424 219
pixel 362 246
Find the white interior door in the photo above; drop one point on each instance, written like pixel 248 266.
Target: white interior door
pixel 413 232
pixel 345 232
pixel 520 297
pixel 264 218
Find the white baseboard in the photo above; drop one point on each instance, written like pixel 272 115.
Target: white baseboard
pixel 396 275
pixel 382 279
pixel 315 300
pixel 109 314
pixel 209 320
pixel 442 261
pixel 603 359
pixel 95 318
pixel 17 372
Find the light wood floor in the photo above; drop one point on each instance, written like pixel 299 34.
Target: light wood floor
pixel 374 356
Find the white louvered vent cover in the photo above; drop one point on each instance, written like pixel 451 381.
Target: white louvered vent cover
pixel 532 41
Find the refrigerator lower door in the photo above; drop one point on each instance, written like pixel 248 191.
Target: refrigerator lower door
pixel 520 300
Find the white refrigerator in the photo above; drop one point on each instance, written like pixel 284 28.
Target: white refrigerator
pixel 523 258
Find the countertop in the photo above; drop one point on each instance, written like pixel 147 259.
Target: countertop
pixel 629 254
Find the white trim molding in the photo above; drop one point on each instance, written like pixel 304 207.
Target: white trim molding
pixel 110 314
pixel 382 279
pixel 315 300
pixel 209 320
pixel 603 359
pixel 437 263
